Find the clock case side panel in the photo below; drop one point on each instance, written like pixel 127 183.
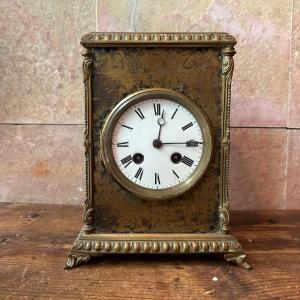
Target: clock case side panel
pixel 89 244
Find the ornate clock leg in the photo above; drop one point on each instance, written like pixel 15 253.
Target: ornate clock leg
pixel 239 259
pixel 75 259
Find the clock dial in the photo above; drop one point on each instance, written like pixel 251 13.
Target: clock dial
pixel 168 137
pixel 156 143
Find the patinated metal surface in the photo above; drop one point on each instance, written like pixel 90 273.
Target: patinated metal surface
pixel 198 65
pixel 192 72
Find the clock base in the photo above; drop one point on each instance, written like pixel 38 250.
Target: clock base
pixel 91 245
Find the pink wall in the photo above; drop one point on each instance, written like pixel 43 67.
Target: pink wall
pixel 41 92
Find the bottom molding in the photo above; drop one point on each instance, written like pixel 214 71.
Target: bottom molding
pixel 97 244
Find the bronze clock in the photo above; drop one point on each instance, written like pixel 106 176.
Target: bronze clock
pixel 157 145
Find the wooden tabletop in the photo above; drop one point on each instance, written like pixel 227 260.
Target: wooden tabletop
pixel 35 240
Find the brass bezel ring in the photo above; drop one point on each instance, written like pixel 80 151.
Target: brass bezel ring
pixel 106 142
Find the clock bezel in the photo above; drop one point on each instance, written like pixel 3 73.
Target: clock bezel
pixel 113 118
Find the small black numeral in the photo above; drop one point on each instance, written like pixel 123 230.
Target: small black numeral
pixel 175 174
pixel 126 161
pixel 139 174
pixel 156 109
pixel 157 180
pixel 139 113
pixel 126 126
pixel 174 113
pixel 124 144
pixel 189 162
pixel 187 126
pixel 193 143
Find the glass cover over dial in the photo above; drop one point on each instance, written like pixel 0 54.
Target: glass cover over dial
pixel 157 143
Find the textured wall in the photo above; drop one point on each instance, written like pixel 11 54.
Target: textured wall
pixel 41 91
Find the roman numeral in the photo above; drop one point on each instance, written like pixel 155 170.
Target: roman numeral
pixel 124 144
pixel 139 174
pixel 175 174
pixel 126 126
pixel 193 143
pixel 174 113
pixel 139 113
pixel 189 162
pixel 187 126
pixel 126 161
pixel 157 180
pixel 156 109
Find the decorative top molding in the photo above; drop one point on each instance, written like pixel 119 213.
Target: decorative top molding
pixel 127 39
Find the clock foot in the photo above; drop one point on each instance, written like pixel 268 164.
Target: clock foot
pixel 76 259
pixel 239 259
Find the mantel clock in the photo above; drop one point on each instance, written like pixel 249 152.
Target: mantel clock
pixel 157 145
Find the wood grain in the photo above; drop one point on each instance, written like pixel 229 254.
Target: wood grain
pixel 35 240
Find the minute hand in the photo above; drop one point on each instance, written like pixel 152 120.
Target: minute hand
pixel 190 143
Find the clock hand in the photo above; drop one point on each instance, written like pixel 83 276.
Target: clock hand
pixel 190 143
pixel 160 122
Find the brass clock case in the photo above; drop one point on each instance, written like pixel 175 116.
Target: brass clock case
pixel 199 65
pixel 117 112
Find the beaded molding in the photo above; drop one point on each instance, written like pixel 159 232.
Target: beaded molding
pixel 157 246
pixel 90 39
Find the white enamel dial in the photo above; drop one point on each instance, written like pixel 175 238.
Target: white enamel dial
pixel 157 143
